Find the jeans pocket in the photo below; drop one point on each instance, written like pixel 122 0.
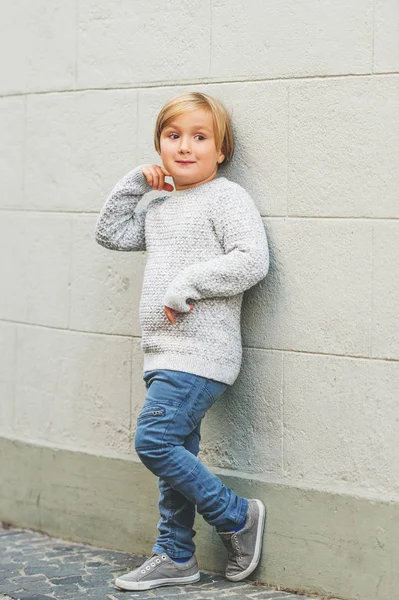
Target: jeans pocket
pixel 151 412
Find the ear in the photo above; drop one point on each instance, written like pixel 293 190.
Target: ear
pixel 221 157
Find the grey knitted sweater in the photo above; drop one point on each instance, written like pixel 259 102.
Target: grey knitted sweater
pixel 205 245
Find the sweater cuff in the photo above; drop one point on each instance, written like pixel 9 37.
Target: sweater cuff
pixel 176 302
pixel 138 180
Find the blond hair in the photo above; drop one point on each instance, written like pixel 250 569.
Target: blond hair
pixel 189 101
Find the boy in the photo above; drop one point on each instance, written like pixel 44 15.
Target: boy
pixel 206 245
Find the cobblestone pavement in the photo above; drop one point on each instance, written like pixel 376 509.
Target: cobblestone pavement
pixel 34 566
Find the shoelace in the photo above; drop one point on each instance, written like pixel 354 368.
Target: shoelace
pixel 151 562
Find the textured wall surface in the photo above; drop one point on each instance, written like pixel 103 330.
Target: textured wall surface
pixel 313 88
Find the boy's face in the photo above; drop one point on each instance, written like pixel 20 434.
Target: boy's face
pixel 190 137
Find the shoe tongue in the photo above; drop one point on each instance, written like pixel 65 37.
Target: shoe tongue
pixel 226 539
pixel 147 561
pixel 155 554
pixel 228 542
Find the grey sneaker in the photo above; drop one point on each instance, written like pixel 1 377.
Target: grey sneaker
pixel 244 546
pixel 159 570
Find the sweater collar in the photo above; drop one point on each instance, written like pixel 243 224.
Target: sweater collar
pixel 198 189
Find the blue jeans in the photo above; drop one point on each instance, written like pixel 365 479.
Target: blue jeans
pixel 167 442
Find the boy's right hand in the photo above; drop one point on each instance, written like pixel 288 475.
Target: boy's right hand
pixel 155 175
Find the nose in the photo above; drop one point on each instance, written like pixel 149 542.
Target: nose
pixel 185 146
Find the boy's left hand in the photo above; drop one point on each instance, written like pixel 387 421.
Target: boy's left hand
pixel 170 312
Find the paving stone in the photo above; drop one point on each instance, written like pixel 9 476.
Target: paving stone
pixel 71 588
pixel 69 579
pixel 21 578
pixel 44 569
pixel 7 587
pixel 9 571
pixel 36 588
pixel 34 597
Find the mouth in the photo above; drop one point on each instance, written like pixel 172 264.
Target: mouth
pixel 185 162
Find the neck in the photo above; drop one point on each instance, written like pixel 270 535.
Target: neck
pixel 180 187
pixel 199 188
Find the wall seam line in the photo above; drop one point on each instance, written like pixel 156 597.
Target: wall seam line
pixel 372 293
pixel 268 216
pixel 373 41
pixel 287 197
pixel 283 470
pixel 204 81
pixel 246 347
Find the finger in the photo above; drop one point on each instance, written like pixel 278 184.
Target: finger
pixel 165 171
pixel 155 181
pixel 161 178
pixel 168 187
pixel 169 314
pixel 147 174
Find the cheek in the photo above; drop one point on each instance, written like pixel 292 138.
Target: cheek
pixel 206 151
pixel 166 154
pixel 165 145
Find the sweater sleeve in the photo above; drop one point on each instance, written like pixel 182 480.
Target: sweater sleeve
pixel 245 261
pixel 118 226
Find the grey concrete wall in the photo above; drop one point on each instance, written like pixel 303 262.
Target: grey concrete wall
pixel 313 89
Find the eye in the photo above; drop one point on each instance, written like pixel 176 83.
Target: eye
pixel 175 134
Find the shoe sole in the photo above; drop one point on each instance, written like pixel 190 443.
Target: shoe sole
pixel 258 545
pixel 148 585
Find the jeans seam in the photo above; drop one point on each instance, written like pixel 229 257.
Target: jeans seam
pixel 172 537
